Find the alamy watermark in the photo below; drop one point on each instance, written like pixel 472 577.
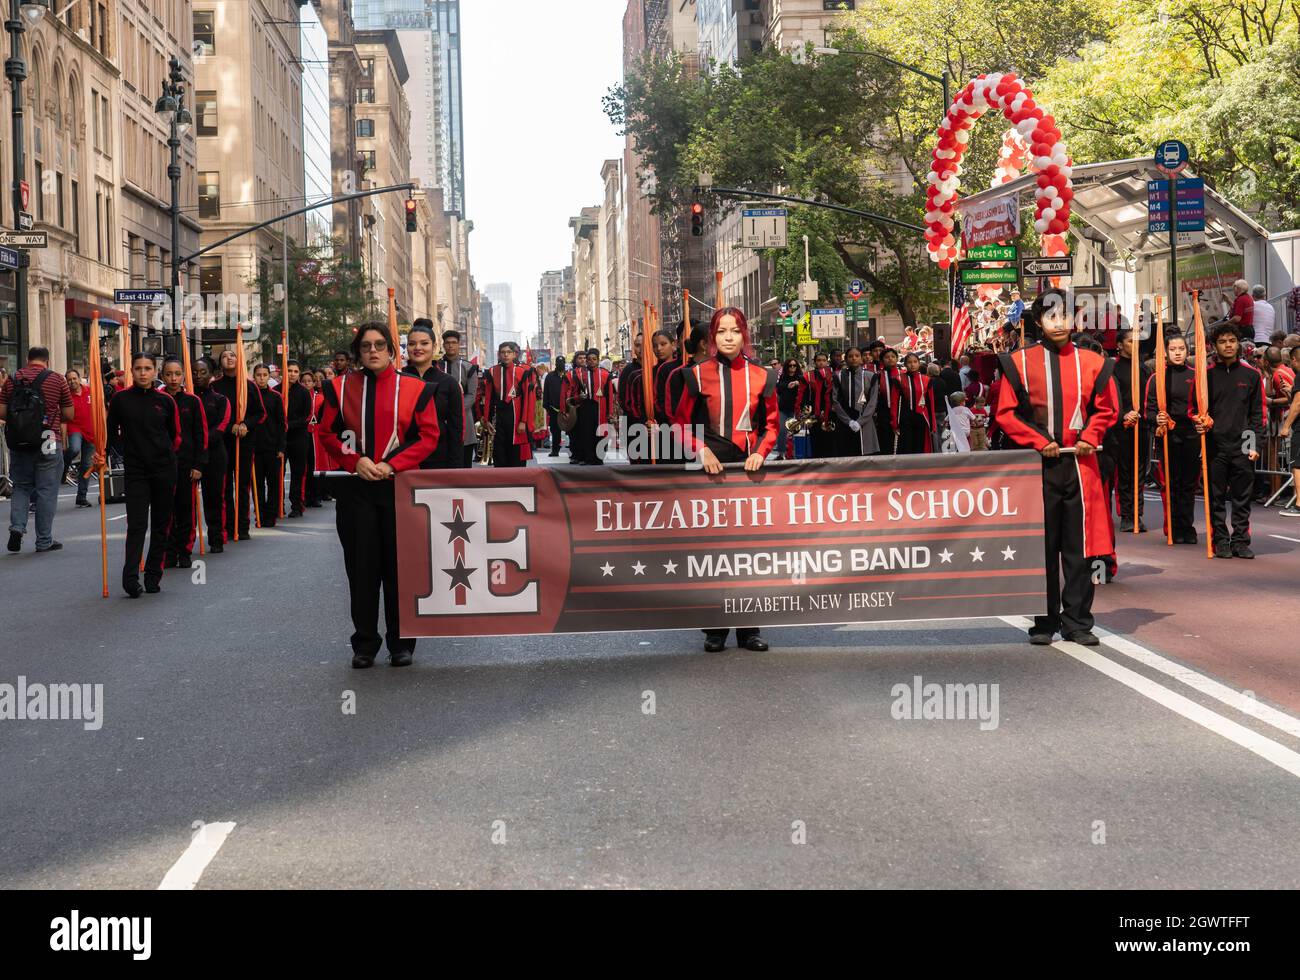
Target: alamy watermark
pixel 53 702
pixel 920 701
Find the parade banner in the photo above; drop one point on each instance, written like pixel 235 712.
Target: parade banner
pixel 503 552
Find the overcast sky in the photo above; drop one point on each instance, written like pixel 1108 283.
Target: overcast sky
pixel 535 135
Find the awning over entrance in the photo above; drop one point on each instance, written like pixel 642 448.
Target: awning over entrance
pixel 81 310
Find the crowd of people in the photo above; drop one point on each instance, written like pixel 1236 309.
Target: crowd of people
pixel 342 431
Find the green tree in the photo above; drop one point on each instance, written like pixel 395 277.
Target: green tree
pixel 328 295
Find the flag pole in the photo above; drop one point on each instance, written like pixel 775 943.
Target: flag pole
pixel 241 409
pixel 1202 408
pixel 718 290
pixel 686 317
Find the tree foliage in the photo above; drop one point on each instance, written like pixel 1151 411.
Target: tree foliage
pixel 328 295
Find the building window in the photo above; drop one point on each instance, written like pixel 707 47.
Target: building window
pixel 210 276
pixel 205 104
pixel 367 67
pixel 365 127
pixel 94 112
pixel 77 216
pixel 210 194
pixel 365 95
pixel 367 160
pixel 103 30
pixel 205 30
pixel 40 191
pixel 58 192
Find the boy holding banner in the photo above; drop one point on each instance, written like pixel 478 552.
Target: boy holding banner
pixel 1060 401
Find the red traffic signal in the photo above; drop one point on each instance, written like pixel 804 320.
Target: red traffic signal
pixel 697 220
pixel 411 223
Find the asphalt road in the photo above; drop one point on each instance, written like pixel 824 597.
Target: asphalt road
pixel 535 763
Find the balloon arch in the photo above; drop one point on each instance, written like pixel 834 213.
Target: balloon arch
pixel 1032 143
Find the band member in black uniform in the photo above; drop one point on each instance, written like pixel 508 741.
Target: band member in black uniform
pixel 666 362
pixel 144 427
pixel 420 347
pixel 888 401
pixel 916 410
pixel 1237 430
pixel 191 458
pixel 242 434
pixel 297 443
pixel 552 389
pixel 466 375
pixel 217 412
pixel 1183 467
pixel 733 399
pixel 393 424
pixel 268 453
pixel 856 392
pixel 507 400
pixel 1119 441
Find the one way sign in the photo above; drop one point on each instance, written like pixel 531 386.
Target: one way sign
pixel 1036 267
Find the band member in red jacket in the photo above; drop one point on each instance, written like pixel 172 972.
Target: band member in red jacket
pixel 916 410
pixel 889 400
pixel 732 398
pixel 376 424
pixel 507 399
pixel 590 385
pixel 820 389
pixel 1052 397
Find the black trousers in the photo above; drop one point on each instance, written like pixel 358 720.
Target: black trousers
pixel 1183 473
pixel 823 443
pixel 269 488
pixel 367 526
pixel 213 486
pixel 242 493
pixel 847 442
pixel 180 540
pixel 1070 588
pixel 148 509
pixel 505 454
pixel 912 431
pixel 727 452
pixel 295 457
pixel 886 436
pixel 1124 472
pixel 1232 481
pixel 557 434
pixel 582 441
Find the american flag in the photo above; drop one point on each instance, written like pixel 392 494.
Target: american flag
pixel 961 325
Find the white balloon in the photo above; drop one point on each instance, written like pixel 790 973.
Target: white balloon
pixel 1068 172
pixel 1060 159
pixel 1058 205
pixel 1040 226
pixel 1048 214
pixel 1026 127
pixel 1041 162
pixel 963 136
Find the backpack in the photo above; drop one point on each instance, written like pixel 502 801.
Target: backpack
pixel 25 424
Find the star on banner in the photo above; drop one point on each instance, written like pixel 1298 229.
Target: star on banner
pixel 1009 554
pixel 459 528
pixel 608 569
pixel 945 556
pixel 671 568
pixel 460 574
pixel 977 555
pixel 638 569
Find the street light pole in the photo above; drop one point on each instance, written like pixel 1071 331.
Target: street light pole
pixel 16 72
pixel 171 105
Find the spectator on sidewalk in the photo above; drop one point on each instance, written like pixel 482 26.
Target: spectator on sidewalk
pixel 34 405
pixel 80 451
pixel 1265 316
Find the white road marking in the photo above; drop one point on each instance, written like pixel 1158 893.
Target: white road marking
pixel 1264 747
pixel 119 517
pixel 186 872
pixel 1283 537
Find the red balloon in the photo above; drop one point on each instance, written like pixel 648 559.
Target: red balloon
pixel 1052 171
pixel 1039 149
pixel 1065 194
pixel 947 208
pixel 1057 226
pixel 1049 121
pixel 944 264
pixel 1043 181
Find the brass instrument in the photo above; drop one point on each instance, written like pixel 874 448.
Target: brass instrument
pixel 568 417
pixel 487 434
pixel 801 423
pixel 830 425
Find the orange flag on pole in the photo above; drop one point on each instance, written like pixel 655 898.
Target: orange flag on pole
pixel 392 327
pixel 99 415
pixel 189 386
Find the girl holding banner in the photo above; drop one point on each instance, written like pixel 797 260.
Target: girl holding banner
pixel 732 399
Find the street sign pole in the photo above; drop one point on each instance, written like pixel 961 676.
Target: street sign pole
pixel 1173 249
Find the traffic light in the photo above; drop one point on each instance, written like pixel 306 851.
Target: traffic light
pixel 411 224
pixel 697 220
